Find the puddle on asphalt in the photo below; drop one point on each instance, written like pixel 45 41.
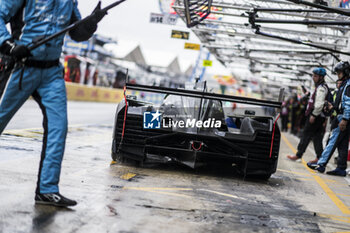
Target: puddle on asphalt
pixel 166 208
pixel 15 148
pixel 44 215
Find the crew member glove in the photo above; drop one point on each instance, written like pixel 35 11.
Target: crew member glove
pixel 20 52
pixel 17 51
pixel 98 13
pixel 97 16
pixel 85 30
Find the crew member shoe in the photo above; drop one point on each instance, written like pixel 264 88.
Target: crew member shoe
pixel 337 172
pixel 320 168
pixel 317 167
pixel 55 199
pixel 293 158
pixel 314 161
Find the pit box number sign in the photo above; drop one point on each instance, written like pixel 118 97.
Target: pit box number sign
pixel 163 18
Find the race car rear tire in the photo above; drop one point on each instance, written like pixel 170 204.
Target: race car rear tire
pixel 258 170
pixel 114 156
pixel 260 176
pixel 118 157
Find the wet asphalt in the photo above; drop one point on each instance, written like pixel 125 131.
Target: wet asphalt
pixel 159 198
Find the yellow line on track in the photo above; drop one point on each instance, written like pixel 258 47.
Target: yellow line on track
pixel 221 194
pixel 306 179
pixel 335 217
pixel 170 194
pixel 157 188
pixel 8 131
pixel 332 195
pixel 295 151
pixel 153 190
pixel 343 208
pixel 20 130
pixel 331 181
pixel 335 184
pixel 297 173
pixel 339 194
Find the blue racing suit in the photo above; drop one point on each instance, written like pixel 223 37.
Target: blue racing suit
pixel 339 139
pixel 33 19
pixel 41 76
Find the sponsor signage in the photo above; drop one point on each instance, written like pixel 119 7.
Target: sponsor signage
pixel 180 34
pixel 225 80
pixel 207 63
pixel 192 123
pixel 151 120
pixel 192 46
pixel 163 18
pixel 71 44
pixel 154 120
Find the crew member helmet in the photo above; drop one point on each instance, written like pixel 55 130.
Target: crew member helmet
pixel 320 71
pixel 342 66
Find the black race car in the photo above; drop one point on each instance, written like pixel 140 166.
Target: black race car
pixel 191 128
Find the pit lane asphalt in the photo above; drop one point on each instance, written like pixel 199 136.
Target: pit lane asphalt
pixel 124 198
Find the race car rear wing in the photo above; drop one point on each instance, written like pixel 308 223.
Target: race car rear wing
pixel 207 95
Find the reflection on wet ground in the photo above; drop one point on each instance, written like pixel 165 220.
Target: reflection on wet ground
pixel 161 198
pixel 44 216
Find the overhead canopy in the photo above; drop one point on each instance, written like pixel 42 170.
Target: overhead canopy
pixel 228 34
